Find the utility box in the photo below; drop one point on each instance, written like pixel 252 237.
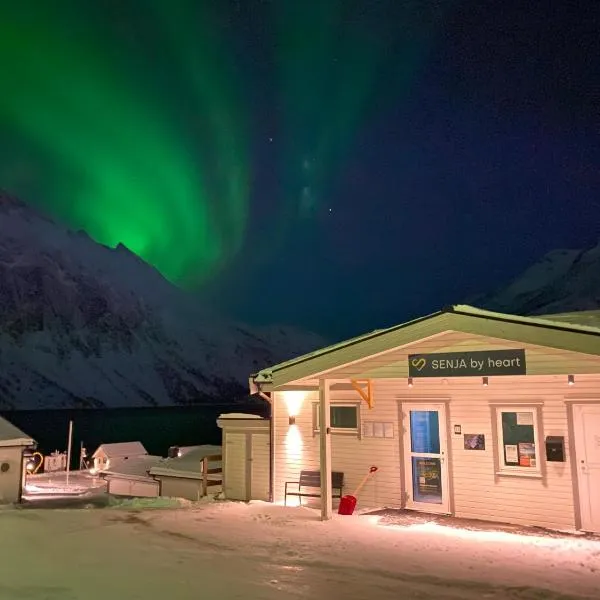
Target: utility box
pixel 555 448
pixel 246 456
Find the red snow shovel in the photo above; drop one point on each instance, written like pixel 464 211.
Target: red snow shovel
pixel 348 503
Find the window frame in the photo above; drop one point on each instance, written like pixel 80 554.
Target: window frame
pixel 338 430
pixel 518 470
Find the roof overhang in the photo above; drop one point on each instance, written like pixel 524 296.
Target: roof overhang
pixel 17 442
pixel 538 331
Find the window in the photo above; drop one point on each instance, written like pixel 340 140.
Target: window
pixel 518 445
pixel 344 417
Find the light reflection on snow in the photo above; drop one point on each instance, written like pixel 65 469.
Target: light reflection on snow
pixel 484 535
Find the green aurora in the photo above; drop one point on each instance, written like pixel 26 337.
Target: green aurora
pixel 129 118
pixel 124 123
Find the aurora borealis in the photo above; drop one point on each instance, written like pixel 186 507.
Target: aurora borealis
pixel 280 157
pixel 134 142
pixel 129 119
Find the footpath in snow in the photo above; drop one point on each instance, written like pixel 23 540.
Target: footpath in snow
pixel 226 550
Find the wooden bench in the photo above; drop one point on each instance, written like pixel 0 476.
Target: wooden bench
pixel 312 480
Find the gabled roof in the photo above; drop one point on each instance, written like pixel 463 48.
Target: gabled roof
pixel 121 449
pixel 13 436
pixel 579 332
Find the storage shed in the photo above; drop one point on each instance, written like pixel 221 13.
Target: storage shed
pixel 13 444
pixel 246 456
pixel 192 474
pixel 107 454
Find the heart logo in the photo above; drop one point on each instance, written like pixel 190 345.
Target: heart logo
pixel 419 363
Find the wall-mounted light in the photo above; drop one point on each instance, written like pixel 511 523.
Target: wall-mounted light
pixel 292 419
pixel 485 381
pixel 410 382
pixel 571 380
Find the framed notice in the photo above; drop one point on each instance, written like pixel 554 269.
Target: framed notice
pixel 526 454
pixel 376 429
pixel 511 453
pixel 525 418
pixel 474 441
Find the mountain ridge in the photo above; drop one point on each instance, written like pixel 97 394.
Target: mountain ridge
pixel 565 280
pixel 84 325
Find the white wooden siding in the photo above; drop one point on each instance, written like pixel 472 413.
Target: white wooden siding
pixel 477 491
pixel 351 455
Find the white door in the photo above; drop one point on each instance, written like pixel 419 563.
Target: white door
pixel 260 467
pixel 587 449
pixel 235 466
pixel 425 457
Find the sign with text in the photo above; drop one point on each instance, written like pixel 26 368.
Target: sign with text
pixel 467 364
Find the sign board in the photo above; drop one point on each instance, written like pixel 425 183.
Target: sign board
pixel 467 364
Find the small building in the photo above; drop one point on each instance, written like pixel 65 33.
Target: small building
pixel 191 474
pixel 130 476
pixel 107 455
pixel 246 457
pixel 13 446
pixel 465 412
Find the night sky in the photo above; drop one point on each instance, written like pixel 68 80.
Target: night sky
pixel 335 165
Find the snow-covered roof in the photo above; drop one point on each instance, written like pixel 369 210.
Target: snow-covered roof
pixel 188 465
pixel 239 416
pixel 10 435
pixel 121 449
pixel 137 465
pixel 585 322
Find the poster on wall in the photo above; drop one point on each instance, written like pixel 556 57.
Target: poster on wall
pixel 524 418
pixel 526 454
pixel 474 441
pixel 511 451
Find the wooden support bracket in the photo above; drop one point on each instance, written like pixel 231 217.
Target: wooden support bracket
pixel 364 387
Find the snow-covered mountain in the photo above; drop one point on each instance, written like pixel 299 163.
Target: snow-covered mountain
pixel 562 281
pixel 83 325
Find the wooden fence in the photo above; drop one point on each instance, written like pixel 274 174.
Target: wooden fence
pixel 207 471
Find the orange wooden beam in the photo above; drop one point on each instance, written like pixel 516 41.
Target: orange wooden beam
pixel 366 392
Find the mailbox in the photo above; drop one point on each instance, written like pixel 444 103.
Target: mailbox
pixel 555 448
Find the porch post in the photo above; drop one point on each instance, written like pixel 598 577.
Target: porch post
pixel 325 447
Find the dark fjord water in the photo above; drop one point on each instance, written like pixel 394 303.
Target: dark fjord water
pixel 156 428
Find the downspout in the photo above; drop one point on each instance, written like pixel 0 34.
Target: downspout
pixel 271 439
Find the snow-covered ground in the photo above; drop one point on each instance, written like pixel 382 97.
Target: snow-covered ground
pixel 225 550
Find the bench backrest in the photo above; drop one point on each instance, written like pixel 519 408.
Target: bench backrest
pixel 313 479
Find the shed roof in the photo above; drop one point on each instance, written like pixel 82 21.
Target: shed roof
pixel 189 465
pixel 577 331
pixel 121 449
pixel 10 435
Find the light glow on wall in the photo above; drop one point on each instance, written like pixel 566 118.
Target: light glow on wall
pixel 293 444
pixel 293 401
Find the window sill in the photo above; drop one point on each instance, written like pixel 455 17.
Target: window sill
pixel 535 475
pixel 352 432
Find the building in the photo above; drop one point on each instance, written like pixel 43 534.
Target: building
pixel 108 456
pixel 190 474
pixel 466 412
pixel 13 446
